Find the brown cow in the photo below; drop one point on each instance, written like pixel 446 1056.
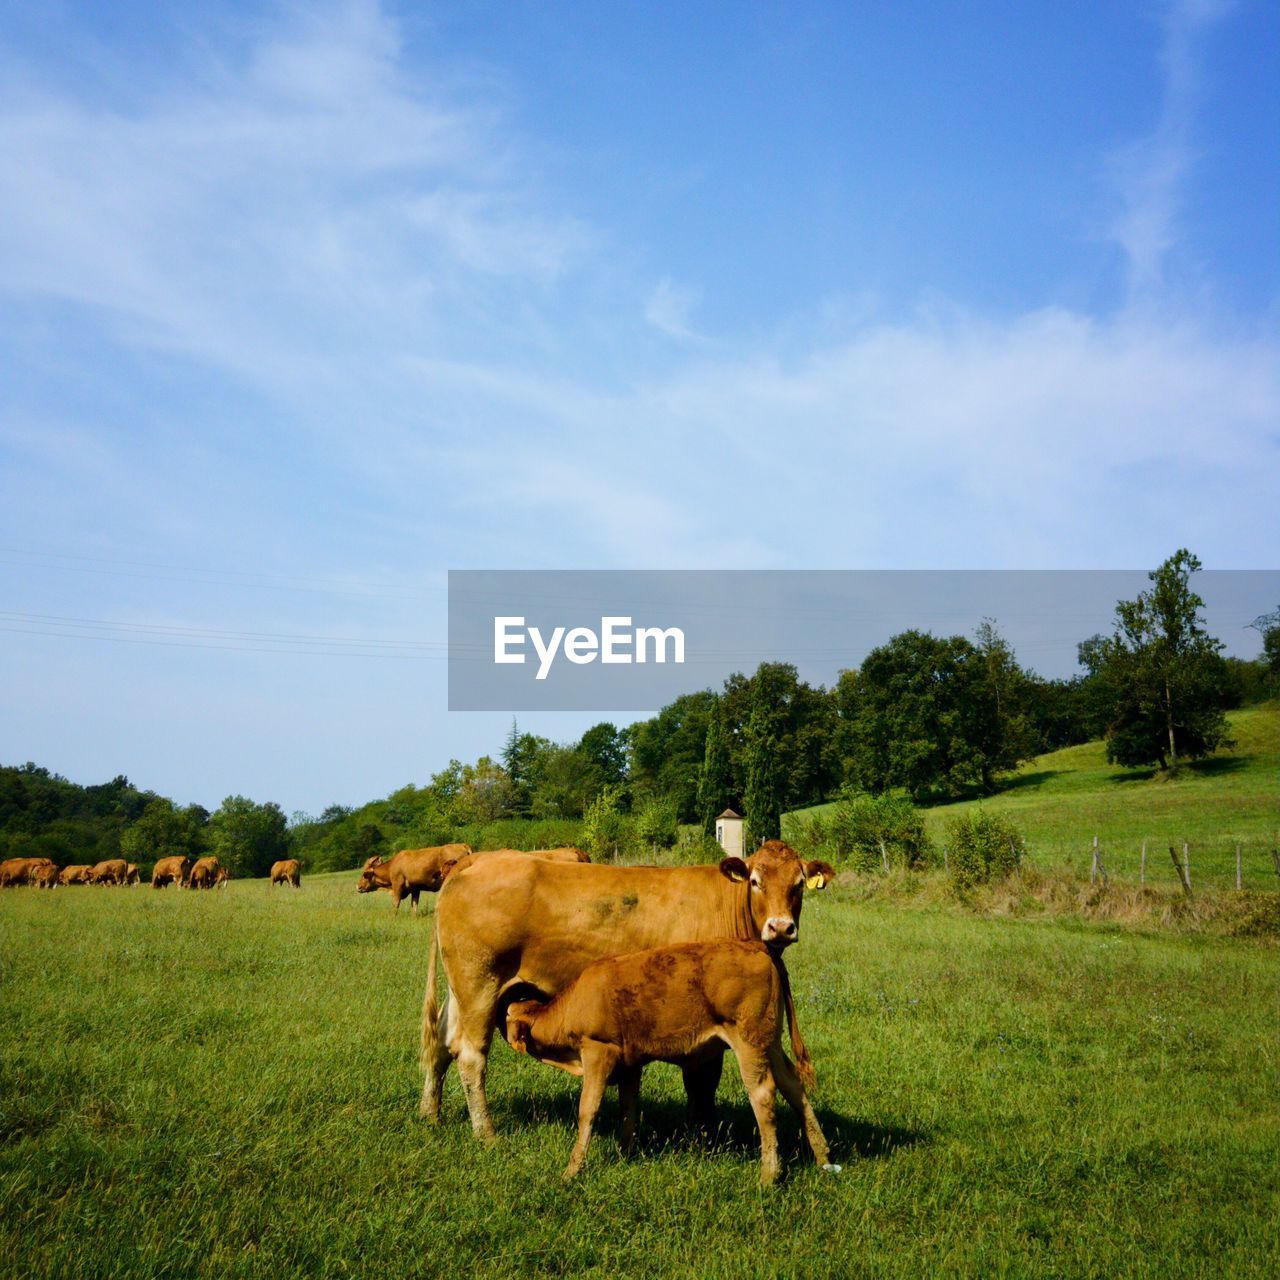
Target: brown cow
pixel 287 871
pixel 565 853
pixel 172 870
pixel 75 875
pixel 410 872
pixel 15 871
pixel 111 871
pixel 683 1005
pixel 510 927
pixel 45 876
pixel 206 873
pixel 132 875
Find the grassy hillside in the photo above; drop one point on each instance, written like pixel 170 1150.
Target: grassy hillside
pixel 1060 801
pixel 225 1085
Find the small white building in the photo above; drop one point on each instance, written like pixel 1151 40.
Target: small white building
pixel 729 833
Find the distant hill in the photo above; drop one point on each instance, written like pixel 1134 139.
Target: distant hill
pixel 1061 800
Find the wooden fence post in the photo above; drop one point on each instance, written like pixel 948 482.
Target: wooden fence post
pixel 1182 874
pixel 1239 879
pixel 1186 862
pixel 1102 868
pixel 946 862
pixel 884 857
pixel 1275 857
pixel 1142 870
pixel 1093 866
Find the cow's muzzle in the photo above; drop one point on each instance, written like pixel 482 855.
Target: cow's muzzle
pixel 779 930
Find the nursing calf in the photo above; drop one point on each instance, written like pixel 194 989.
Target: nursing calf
pixel 685 1005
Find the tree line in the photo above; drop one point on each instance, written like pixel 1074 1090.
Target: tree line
pixel 927 717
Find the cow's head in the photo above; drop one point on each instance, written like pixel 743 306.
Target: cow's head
pixel 368 875
pixel 776 877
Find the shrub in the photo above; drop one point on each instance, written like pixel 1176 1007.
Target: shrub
pixel 982 847
pixel 657 824
pixel 606 832
pixel 854 829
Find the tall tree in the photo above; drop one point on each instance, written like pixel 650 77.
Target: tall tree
pixel 1163 674
pixel 161 831
pixel 715 783
pixel 765 794
pixel 247 838
pixel 922 714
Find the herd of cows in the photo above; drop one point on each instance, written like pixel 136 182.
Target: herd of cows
pixel 185 872
pixel 596 970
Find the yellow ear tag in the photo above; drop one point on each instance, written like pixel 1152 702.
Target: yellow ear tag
pixel 815 882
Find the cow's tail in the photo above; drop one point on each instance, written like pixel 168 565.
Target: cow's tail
pixel 804 1064
pixel 430 1041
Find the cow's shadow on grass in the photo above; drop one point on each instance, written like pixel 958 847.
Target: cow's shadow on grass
pixel 664 1127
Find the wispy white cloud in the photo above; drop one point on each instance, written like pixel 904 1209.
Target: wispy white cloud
pixel 670 306
pixel 1150 172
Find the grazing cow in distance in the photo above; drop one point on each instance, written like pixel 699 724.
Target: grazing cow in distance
pixel 206 873
pixel 171 870
pixel 132 874
pixel 110 871
pixel 510 928
pixel 682 1004
pixel 221 878
pixel 410 872
pixel 287 871
pixel 15 871
pixel 78 874
pixel 45 876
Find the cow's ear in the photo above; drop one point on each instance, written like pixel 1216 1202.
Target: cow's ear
pixel 735 869
pixel 446 867
pixel 518 1035
pixel 817 875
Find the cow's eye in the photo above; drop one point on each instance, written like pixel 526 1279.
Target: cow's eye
pixel 755 882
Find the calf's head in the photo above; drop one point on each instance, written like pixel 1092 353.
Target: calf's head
pixel 776 877
pixel 521 1015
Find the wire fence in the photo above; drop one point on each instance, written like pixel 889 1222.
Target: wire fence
pixel 1222 863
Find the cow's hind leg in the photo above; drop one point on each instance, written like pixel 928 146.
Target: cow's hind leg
pixel 598 1062
pixel 758 1079
pixel 788 1080
pixel 700 1084
pixel 629 1104
pixel 469 1042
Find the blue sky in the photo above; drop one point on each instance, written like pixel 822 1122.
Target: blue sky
pixel 303 305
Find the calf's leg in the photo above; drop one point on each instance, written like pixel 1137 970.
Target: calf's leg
pixel 788 1080
pixel 598 1062
pixel 758 1079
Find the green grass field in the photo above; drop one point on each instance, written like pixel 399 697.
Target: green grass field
pixel 226 1084
pixel 1060 801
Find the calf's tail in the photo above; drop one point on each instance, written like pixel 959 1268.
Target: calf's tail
pixel 430 1041
pixel 804 1064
